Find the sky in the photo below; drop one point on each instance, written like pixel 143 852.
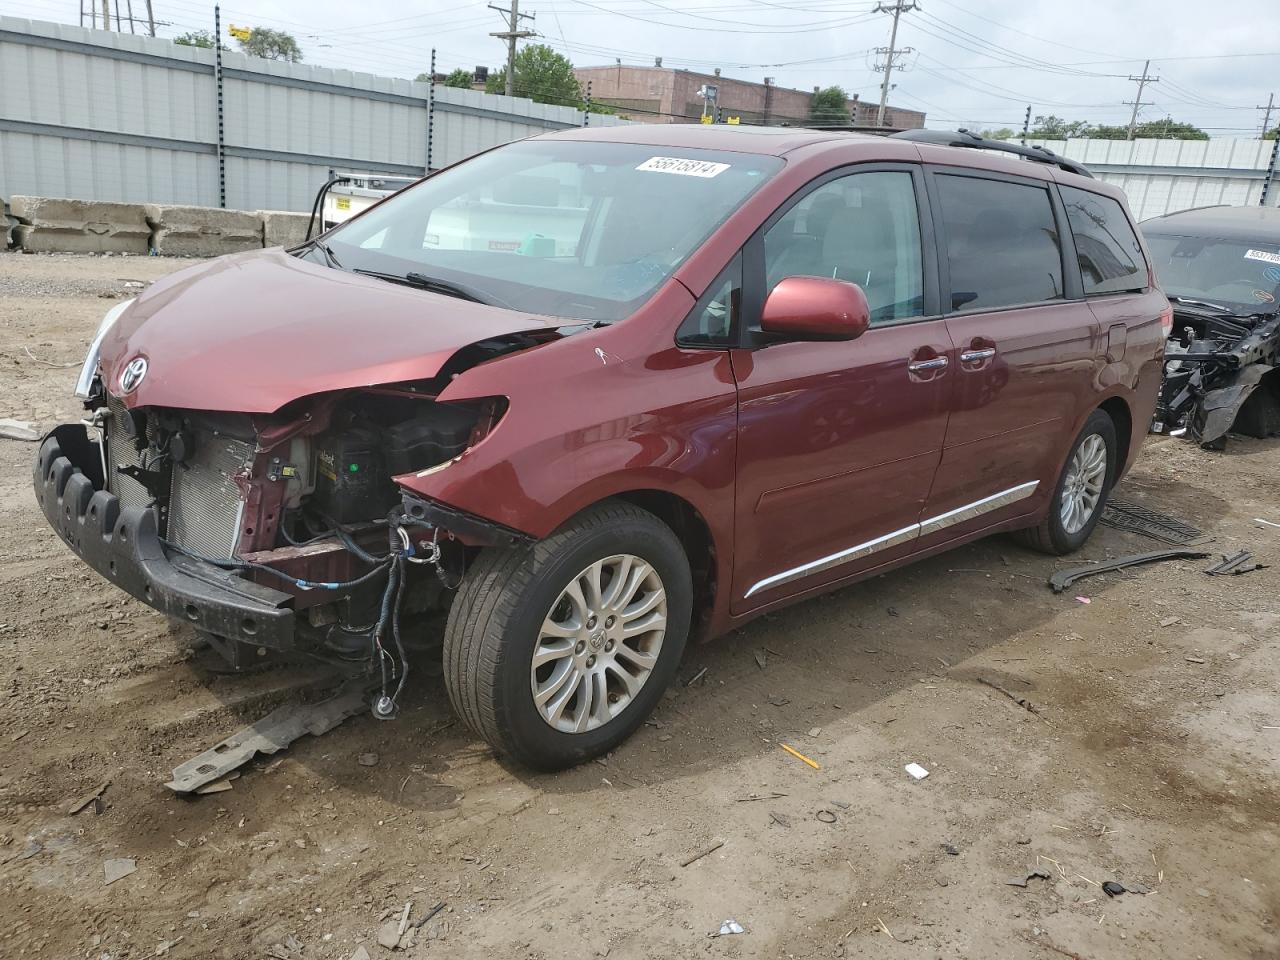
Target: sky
pixel 975 63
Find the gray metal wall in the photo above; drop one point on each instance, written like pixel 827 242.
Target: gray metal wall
pixel 1165 176
pixel 95 115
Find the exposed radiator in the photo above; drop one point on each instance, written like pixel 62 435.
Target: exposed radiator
pixel 205 505
pixel 122 452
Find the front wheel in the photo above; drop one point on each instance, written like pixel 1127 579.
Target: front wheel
pixel 556 653
pixel 1081 491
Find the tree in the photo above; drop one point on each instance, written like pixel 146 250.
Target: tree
pixel 1271 134
pixel 1004 133
pixel 460 78
pixel 829 107
pixel 197 38
pixel 1055 128
pixel 542 75
pixel 271 45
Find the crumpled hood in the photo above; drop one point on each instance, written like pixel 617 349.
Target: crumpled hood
pixel 253 331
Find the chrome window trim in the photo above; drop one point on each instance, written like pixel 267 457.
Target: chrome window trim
pixel 943 520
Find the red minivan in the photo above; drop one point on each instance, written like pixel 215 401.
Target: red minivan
pixel 595 392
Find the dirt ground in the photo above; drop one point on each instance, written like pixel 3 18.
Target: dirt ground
pixel 1154 757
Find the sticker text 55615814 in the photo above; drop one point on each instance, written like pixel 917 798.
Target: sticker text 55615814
pixel 683 166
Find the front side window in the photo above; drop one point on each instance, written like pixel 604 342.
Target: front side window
pixel 863 228
pixel 713 320
pixel 1003 246
pixel 1108 250
pixel 574 229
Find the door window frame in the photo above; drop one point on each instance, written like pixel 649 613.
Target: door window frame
pixel 754 279
pixel 1072 284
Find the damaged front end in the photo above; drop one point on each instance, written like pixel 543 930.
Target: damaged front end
pixel 1219 376
pixel 285 532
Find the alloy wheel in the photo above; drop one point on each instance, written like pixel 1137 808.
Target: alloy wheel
pixel 1082 487
pixel 598 644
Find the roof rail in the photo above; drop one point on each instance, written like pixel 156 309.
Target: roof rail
pixel 964 138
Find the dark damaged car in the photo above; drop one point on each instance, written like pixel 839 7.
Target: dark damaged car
pixel 1220 267
pixel 597 392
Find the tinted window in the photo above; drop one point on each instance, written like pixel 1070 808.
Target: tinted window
pixel 711 323
pixel 1002 243
pixel 1106 246
pixel 862 228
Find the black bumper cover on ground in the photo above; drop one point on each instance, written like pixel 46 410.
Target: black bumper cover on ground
pixel 123 545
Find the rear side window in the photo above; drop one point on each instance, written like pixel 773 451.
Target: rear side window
pixel 1106 246
pixel 1002 243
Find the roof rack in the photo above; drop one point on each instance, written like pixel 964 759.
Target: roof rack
pixel 964 138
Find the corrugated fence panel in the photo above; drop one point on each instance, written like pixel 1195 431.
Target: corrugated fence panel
pixel 96 115
pixel 1165 176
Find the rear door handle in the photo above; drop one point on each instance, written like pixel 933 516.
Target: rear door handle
pixel 969 356
pixel 936 363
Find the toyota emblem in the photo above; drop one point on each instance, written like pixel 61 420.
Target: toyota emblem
pixel 132 374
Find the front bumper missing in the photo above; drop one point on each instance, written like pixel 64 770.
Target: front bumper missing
pixel 123 545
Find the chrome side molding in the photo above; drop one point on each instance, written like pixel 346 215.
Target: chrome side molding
pixel 978 507
pixel 916 530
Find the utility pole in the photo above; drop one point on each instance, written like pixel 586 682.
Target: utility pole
pixel 1141 81
pixel 1026 125
pixel 511 35
pixel 1266 117
pixel 151 19
pixel 891 51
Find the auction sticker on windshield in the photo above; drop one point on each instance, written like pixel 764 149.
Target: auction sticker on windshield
pixel 697 168
pixel 1262 255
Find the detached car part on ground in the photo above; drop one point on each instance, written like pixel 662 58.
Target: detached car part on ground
pixel 596 392
pixel 1220 267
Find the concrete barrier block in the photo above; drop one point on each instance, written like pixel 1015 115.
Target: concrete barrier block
pixel 202 231
pixel 283 228
pixel 6 225
pixel 54 225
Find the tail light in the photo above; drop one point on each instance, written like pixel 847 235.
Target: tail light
pixel 1166 322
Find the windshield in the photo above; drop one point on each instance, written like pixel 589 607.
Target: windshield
pixel 563 228
pixel 1243 278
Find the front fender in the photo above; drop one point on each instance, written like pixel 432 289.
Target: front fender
pixel 604 412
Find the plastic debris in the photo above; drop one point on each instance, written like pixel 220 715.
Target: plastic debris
pixel 118 869
pixel 729 928
pixel 916 771
pixel 18 430
pixel 800 756
pixel 825 816
pixel 950 850
pixel 1065 578
pixel 1113 888
pixel 1022 879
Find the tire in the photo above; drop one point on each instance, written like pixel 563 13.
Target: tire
pixel 511 597
pixel 1053 535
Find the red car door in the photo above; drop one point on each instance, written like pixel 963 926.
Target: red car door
pixel 1025 348
pixel 838 442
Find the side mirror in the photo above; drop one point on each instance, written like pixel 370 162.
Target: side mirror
pixel 815 308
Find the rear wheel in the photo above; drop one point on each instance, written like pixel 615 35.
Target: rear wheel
pixel 1081 491
pixel 557 652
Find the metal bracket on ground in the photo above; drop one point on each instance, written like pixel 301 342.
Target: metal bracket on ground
pixel 273 732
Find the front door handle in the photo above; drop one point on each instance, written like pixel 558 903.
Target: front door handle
pixel 935 363
pixel 969 356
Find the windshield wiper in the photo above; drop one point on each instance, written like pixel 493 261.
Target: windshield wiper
pixel 1202 303
pixel 329 256
pixel 448 287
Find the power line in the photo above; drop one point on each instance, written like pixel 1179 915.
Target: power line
pixel 511 35
pixel 1142 81
pixel 889 52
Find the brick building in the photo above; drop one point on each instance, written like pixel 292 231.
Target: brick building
pixel 665 95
